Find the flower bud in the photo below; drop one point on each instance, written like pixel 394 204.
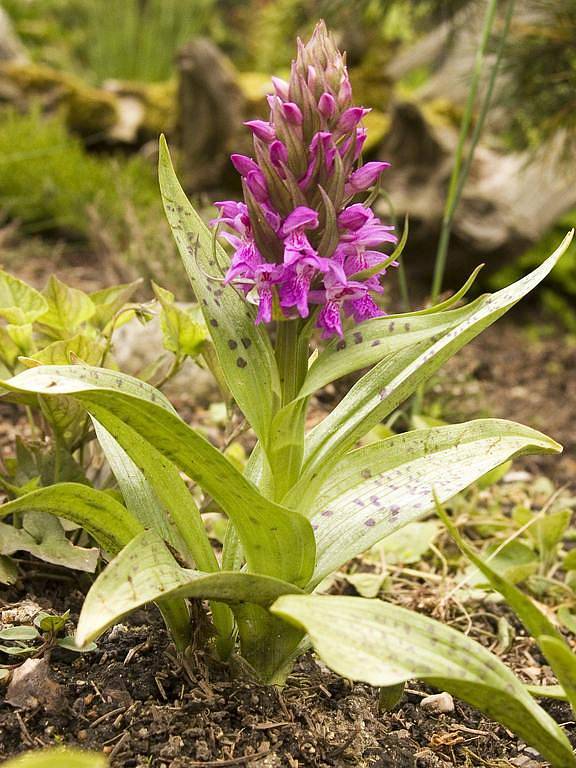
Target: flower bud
pixel 262 130
pixel 327 105
pixel 364 177
pixel 292 113
pixel 243 164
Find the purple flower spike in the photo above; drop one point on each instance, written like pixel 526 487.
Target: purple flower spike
pixel 299 246
pixel 262 130
pixel 364 177
pixel 292 113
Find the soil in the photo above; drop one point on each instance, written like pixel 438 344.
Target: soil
pixel 133 700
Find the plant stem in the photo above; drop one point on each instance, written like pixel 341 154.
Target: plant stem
pixel 292 358
pixel 457 180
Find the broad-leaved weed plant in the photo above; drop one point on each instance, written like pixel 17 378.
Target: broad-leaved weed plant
pixel 306 262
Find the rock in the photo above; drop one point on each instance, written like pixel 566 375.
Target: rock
pixel 211 108
pixel 88 111
pixel 11 48
pixel 438 703
pixel 508 203
pixel 144 110
pixel 32 687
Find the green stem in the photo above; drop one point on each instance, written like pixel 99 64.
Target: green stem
pixel 286 447
pixel 292 358
pixel 456 183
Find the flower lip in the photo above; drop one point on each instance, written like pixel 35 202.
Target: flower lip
pixel 301 218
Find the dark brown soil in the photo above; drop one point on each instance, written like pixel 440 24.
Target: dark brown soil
pixel 132 699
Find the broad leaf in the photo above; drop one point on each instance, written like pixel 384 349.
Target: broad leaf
pixel 62 352
pixel 70 379
pixel 97 512
pixel 394 379
pixel 109 301
pixel 244 349
pixel 58 758
pixel 19 303
pixel 276 541
pixel 384 645
pixel 68 308
pixel 563 663
pixel 43 536
pixel 182 335
pixel 380 338
pixel 155 493
pixel 145 571
pixel 377 489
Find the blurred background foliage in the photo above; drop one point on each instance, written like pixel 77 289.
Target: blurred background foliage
pixel 68 176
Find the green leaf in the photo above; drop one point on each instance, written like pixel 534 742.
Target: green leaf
pixel 68 308
pixel 97 512
pixel 397 376
pixel 49 622
pixel 63 352
pixel 70 379
pixel 9 350
pixel 244 349
pixel 109 301
pixel 182 334
pixel 277 541
pixel 58 758
pixel 8 570
pixel 137 490
pixel 379 488
pixel 42 535
pixel 145 571
pixel 158 497
pixel 409 544
pixel 380 338
pixel 19 303
pixel 69 644
pixel 384 645
pixel 19 633
pixel 563 663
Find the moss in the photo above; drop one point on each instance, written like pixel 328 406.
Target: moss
pixel 159 103
pixel 87 110
pixel 255 86
pixel 377 124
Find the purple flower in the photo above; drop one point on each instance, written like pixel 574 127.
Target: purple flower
pixel 300 245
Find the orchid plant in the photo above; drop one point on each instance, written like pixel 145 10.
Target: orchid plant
pixel 306 261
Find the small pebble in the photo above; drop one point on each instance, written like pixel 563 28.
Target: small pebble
pixel 439 703
pixel 82 735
